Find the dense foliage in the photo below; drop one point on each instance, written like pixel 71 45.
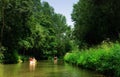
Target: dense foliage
pixel 96 21
pixel 104 59
pixel 32 28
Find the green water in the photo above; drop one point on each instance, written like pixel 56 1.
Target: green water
pixel 44 69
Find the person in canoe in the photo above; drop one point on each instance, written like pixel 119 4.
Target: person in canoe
pixel 55 59
pixel 32 60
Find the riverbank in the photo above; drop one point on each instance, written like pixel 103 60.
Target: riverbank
pixel 104 59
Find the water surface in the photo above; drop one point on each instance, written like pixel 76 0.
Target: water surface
pixel 44 69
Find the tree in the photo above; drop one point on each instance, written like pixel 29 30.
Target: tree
pixel 16 16
pixel 32 28
pixel 96 21
pixel 15 27
pixel 3 4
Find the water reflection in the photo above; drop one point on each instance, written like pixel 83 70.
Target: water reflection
pixel 44 69
pixel 32 66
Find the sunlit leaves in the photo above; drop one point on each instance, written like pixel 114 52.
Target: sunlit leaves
pixel 34 27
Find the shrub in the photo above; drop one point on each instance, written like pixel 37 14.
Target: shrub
pixel 2 49
pixel 104 58
pixel 10 57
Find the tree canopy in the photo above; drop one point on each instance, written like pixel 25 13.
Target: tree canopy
pixel 32 28
pixel 96 21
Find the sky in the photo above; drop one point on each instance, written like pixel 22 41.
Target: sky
pixel 63 7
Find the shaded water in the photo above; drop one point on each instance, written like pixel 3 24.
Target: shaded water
pixel 44 69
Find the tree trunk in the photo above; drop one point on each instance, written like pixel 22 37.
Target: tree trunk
pixel 3 25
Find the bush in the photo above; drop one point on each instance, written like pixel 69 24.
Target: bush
pixel 104 58
pixel 10 57
pixel 71 57
pixel 2 49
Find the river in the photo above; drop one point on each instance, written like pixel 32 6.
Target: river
pixel 44 69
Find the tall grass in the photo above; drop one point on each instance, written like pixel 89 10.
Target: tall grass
pixel 104 58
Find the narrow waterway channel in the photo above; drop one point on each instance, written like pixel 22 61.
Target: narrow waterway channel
pixel 44 69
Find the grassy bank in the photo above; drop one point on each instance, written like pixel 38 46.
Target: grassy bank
pixel 104 59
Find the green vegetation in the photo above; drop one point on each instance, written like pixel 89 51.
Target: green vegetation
pixel 31 28
pixel 96 21
pixel 104 58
